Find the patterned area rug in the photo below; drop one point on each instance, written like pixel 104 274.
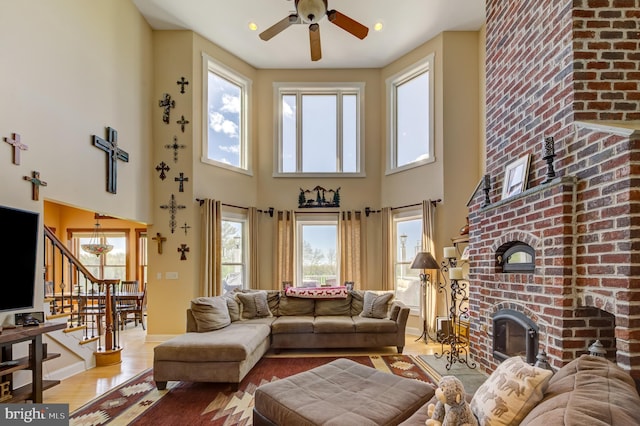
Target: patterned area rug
pixel 138 402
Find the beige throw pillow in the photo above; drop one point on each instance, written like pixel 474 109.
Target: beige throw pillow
pixel 210 313
pixel 511 391
pixel 375 305
pixel 254 305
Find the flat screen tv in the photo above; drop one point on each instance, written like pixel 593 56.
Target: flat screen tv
pixel 18 254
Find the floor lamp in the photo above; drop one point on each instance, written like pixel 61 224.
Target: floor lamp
pixel 425 261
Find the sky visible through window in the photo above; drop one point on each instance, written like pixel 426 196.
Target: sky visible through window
pixel 224 120
pixel 412 120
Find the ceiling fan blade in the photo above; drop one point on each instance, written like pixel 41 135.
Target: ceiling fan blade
pixel 314 41
pixel 279 26
pixel 351 26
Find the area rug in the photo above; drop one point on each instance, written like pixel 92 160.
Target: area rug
pixel 138 402
pixel 471 378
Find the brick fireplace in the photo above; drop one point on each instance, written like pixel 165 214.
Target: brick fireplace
pixel 568 70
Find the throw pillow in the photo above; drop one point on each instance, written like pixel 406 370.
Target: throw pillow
pixel 254 305
pixel 511 391
pixel 233 305
pixel 210 313
pixel 375 304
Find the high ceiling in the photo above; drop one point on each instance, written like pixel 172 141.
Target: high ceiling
pixel 406 25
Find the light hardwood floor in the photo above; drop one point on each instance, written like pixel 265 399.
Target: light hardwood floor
pixel 137 356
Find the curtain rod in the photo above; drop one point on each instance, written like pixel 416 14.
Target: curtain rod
pixel 270 210
pixel 369 210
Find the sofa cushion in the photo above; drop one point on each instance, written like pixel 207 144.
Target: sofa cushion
pixel 253 304
pixel 589 390
pixel 232 305
pixel 333 307
pixel 375 305
pixel 333 324
pixel 292 324
pixel 233 343
pixel 374 325
pixel 296 306
pixel 510 392
pixel 357 298
pixel 210 313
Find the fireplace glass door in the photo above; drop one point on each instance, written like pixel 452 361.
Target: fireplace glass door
pixel 514 335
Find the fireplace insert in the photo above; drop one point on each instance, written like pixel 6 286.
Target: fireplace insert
pixel 514 334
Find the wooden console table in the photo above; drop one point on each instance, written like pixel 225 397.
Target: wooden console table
pixel 8 338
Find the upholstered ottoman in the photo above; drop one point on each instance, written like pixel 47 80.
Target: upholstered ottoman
pixel 343 393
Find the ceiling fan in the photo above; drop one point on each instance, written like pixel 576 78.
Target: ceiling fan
pixel 310 12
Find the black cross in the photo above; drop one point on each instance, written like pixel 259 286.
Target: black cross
pixel 182 122
pixel 183 249
pixel 175 146
pixel 17 147
pixel 162 168
pixel 37 183
pixel 185 227
pixel 167 104
pixel 173 208
pixel 181 179
pixel 110 146
pixel 182 82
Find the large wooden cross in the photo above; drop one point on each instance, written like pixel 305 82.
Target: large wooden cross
pixel 110 146
pixel 182 180
pixel 17 147
pixel 37 183
pixel 159 239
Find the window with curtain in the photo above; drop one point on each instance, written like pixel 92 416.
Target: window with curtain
pixel 407 242
pixel 410 141
pixel 112 265
pixel 234 252
pixel 141 255
pixel 317 248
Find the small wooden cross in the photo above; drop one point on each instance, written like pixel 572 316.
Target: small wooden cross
pixel 181 179
pixel 182 122
pixel 175 146
pixel 167 104
pixel 162 168
pixel 173 207
pixel 182 82
pixel 37 183
pixel 185 227
pixel 183 249
pixel 17 147
pixel 110 146
pixel 159 239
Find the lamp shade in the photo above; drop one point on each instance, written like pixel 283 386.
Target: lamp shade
pixel 424 260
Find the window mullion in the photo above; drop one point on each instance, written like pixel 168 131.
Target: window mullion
pixel 339 132
pixel 299 141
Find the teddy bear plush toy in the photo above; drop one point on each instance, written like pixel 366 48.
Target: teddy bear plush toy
pixel 452 409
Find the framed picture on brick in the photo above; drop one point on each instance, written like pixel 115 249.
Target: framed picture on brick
pixel 515 177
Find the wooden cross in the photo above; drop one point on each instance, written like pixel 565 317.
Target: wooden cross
pixel 159 239
pixel 110 146
pixel 162 168
pixel 185 227
pixel 17 147
pixel 175 146
pixel 183 249
pixel 182 122
pixel 167 104
pixel 37 183
pixel 173 207
pixel 181 179
pixel 182 82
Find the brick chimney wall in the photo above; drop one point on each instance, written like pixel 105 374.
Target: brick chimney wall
pixel 551 66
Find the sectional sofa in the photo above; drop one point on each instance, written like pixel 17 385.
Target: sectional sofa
pixel 227 335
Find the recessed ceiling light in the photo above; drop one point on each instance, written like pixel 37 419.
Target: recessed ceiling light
pixel 253 26
pixel 377 26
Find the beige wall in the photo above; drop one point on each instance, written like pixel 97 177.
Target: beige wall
pixel 70 68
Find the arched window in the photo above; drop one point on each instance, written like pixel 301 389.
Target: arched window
pixel 516 257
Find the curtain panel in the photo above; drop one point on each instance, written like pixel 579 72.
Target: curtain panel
pixel 210 255
pixel 283 247
pixel 428 227
pixel 351 243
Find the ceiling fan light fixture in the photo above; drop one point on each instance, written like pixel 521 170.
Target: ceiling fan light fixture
pixel 311 11
pixel 252 26
pixel 378 26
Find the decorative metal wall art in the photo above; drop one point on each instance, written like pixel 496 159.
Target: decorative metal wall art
pixel 182 122
pixel 167 103
pixel 182 82
pixel 162 168
pixel 17 147
pixel 319 197
pixel 183 249
pixel 36 184
pixel 185 227
pixel 175 146
pixel 173 208
pixel 182 180
pixel 110 146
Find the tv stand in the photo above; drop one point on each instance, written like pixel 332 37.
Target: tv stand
pixel 32 391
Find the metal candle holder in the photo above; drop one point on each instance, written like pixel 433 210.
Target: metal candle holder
pixel 549 155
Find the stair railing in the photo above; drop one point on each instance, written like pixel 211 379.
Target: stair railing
pixel 78 292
